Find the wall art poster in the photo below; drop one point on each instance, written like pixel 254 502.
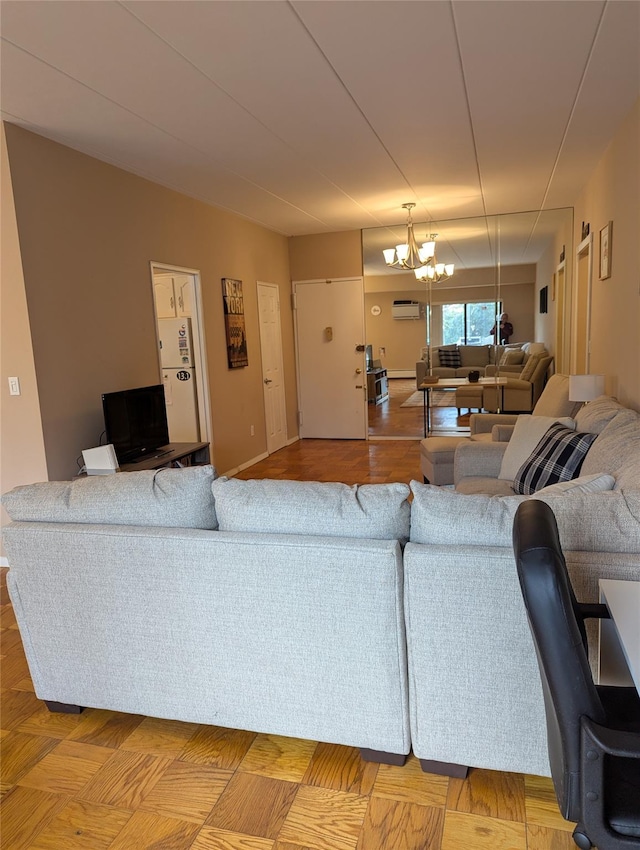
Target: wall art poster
pixel 605 251
pixel 234 323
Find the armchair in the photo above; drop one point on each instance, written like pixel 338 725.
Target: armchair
pixel 593 732
pixel 521 392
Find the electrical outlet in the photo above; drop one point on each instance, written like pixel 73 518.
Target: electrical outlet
pixel 14 386
pixel 253 431
pixel 383 351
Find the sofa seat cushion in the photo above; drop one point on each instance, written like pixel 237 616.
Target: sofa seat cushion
pixel 375 511
pixel 443 372
pixel 588 522
pixel 173 498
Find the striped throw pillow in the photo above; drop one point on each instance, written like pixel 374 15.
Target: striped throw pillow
pixel 450 357
pixel 557 457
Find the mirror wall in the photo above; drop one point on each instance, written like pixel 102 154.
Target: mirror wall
pixel 501 263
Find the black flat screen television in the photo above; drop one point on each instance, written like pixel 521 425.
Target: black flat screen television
pixel 136 422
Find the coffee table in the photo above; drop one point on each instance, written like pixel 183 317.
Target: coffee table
pixel 454 384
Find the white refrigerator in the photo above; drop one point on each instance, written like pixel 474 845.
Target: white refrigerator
pixel 179 379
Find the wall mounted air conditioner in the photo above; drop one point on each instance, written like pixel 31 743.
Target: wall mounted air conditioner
pixel 405 310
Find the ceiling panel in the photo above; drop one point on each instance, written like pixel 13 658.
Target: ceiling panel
pixel 312 116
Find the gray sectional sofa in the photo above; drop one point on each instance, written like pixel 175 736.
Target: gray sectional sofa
pixel 276 608
pixel 300 609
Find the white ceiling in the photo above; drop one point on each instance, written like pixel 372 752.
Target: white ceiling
pixel 311 117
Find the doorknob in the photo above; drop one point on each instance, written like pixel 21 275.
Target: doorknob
pixel 268 381
pixel 358 371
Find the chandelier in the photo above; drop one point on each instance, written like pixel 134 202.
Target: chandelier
pixel 408 256
pixel 434 271
pixel 422 261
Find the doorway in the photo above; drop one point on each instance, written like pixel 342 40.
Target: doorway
pixel 581 336
pixel 275 409
pixel 329 324
pixel 177 295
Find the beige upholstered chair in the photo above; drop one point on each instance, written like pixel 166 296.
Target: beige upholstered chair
pixel 437 453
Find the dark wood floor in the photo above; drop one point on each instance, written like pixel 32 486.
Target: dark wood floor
pixel 109 781
pixel 389 420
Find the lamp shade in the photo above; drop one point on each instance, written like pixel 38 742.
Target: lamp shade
pixel 585 387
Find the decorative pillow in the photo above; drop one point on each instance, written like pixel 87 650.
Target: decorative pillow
pixel 529 368
pixel 173 498
pixel 512 357
pixel 557 457
pixel 450 358
pixel 376 511
pixel 527 433
pixel 595 483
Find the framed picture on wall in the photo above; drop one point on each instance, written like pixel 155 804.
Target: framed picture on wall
pixel 605 251
pixel 544 299
pixel 233 301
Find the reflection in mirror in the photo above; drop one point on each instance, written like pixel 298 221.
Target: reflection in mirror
pixel 501 263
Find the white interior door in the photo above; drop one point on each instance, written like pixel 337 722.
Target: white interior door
pixel 331 370
pixel 275 410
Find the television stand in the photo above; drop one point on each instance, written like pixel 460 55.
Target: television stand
pixel 187 454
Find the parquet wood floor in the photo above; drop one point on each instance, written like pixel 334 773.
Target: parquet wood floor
pixel 107 781
pixel 388 419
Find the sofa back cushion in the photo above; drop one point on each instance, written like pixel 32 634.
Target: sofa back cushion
pixel 616 451
pixel 512 357
pixel 554 400
pixel 474 355
pixel 375 511
pixel 596 415
pixel 174 498
pixel 529 368
pixel 588 522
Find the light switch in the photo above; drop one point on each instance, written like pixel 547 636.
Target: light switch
pixel 14 386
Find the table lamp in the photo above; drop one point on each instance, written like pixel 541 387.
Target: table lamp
pixel 585 387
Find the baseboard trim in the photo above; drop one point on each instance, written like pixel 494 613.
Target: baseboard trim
pixel 401 373
pixel 4 562
pixel 293 440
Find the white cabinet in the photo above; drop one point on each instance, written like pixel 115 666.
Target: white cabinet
pixel 173 295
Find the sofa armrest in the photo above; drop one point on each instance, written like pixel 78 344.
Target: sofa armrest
pixel 482 423
pixel 477 460
pixel 421 371
pixel 502 433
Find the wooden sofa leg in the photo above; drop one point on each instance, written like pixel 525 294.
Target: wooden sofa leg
pixel 63 707
pixel 445 768
pixel 383 758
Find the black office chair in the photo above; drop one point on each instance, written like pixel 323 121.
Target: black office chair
pixel 593 731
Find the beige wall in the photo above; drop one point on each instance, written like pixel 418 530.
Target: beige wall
pixel 22 457
pixel 326 255
pixel 612 194
pixel 87 233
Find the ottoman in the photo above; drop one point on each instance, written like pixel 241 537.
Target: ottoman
pixel 436 458
pixel 469 395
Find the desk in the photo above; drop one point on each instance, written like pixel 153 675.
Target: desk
pixel 619 657
pixel 188 454
pixel 453 384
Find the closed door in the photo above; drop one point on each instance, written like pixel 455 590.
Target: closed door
pixel 331 368
pixel 275 410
